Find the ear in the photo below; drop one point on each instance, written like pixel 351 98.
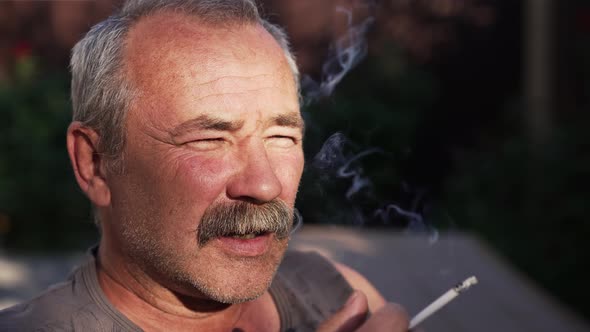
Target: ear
pixel 82 143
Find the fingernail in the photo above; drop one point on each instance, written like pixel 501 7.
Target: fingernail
pixel 351 298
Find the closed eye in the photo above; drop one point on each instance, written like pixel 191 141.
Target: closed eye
pixel 206 144
pixel 281 141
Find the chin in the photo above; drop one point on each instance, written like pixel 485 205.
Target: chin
pixel 243 293
pixel 230 279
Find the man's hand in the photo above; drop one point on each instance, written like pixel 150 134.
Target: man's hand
pixel 353 317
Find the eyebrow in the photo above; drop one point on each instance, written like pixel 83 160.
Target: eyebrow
pixel 292 120
pixel 208 122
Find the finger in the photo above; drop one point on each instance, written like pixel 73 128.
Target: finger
pixel 391 317
pixel 352 315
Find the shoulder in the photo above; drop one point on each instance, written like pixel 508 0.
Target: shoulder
pixel 67 306
pixel 46 312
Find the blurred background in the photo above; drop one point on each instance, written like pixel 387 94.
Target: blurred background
pixel 424 117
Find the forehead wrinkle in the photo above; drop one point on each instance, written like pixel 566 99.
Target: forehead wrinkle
pixel 227 94
pixel 232 78
pixel 173 57
pixel 183 67
pixel 235 84
pixel 163 41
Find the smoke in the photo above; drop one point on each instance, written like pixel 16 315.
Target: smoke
pixel 416 222
pixel 336 157
pixel 350 170
pixel 344 54
pixel 347 166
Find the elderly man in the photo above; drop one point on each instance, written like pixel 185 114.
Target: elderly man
pixel 187 139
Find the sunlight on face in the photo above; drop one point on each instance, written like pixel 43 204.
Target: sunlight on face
pixel 216 121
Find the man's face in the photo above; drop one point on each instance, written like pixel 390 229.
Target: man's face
pixel 215 123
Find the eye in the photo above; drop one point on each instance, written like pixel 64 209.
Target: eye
pixel 206 144
pixel 282 141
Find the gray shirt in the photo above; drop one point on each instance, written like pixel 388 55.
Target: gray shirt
pixel 306 290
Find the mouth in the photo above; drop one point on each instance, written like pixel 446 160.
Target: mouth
pixel 249 236
pixel 245 245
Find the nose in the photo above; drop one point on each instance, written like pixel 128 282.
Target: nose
pixel 256 180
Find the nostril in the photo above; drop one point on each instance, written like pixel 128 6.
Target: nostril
pixel 256 183
pixel 255 180
pixel 251 200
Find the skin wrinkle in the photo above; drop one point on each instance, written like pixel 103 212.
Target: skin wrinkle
pixel 237 82
pixel 187 154
pixel 229 77
pixel 148 296
pixel 168 187
pixel 207 122
pixel 208 61
pixel 221 94
pixel 156 126
pixel 150 265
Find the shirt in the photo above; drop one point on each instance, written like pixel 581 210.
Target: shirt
pixel 306 290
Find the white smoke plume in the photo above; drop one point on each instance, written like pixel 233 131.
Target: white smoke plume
pixel 350 169
pixel 346 166
pixel 344 54
pixel 336 158
pixel 416 222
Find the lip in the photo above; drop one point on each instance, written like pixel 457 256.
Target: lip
pixel 245 247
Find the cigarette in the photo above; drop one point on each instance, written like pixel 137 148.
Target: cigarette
pixel 442 301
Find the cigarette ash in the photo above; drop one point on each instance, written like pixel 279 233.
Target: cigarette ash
pixel 442 301
pixel 466 284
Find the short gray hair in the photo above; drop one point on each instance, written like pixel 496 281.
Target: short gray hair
pixel 100 93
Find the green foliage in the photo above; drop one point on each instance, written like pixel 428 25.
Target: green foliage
pixel 532 205
pixel 377 105
pixel 39 200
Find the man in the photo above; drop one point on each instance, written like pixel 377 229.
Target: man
pixel 187 139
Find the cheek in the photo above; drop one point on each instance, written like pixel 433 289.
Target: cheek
pixel 202 178
pixel 289 168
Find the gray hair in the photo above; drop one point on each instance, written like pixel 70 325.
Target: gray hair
pixel 101 95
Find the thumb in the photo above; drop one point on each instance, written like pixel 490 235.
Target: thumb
pixel 348 318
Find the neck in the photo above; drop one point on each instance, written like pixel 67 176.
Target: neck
pixel 154 307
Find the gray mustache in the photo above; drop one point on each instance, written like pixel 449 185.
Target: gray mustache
pixel 243 218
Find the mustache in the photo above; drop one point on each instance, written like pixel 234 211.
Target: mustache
pixel 242 218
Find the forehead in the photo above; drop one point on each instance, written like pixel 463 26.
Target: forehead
pixel 173 59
